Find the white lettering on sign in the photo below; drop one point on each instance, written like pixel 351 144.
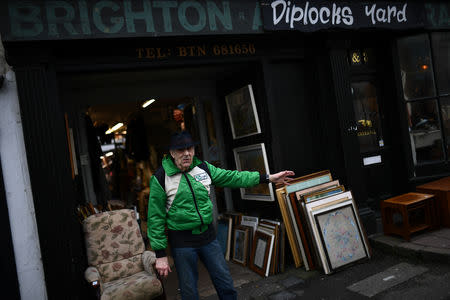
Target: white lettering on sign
pixel 308 14
pixel 334 14
pixel 386 15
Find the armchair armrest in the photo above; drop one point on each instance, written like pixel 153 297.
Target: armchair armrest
pixel 149 259
pixel 93 276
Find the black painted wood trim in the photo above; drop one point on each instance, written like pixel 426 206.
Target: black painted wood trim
pixel 50 174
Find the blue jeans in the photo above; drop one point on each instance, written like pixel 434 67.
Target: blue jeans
pixel 212 257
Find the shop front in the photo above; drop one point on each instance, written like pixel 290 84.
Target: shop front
pixel 325 95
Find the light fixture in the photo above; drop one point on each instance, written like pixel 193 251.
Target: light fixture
pixel 109 154
pixel 424 67
pixel 148 102
pixel 114 128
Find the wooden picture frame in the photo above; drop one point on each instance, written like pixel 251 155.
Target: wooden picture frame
pixel 261 252
pixel 254 158
pixel 242 112
pixel 338 232
pixel 314 196
pixel 224 232
pixel 250 221
pixel 241 239
pixel 316 188
pixel 289 227
pixel 308 181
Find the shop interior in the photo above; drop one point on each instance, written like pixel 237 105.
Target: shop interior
pixel 120 123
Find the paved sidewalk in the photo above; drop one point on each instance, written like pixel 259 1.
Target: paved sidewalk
pixel 428 246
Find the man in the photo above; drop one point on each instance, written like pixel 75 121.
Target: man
pixel 179 198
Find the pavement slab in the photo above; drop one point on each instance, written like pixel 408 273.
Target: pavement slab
pixel 291 281
pixel 283 295
pixel 433 241
pixel 382 281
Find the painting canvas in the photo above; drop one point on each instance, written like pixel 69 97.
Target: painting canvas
pixel 242 112
pixel 341 236
pixel 254 158
pixel 337 231
pixel 261 252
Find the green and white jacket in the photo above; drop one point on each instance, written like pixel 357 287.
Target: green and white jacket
pixel 182 201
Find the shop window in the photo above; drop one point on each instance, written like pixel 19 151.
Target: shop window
pixel 425 131
pixel 445 111
pixel 416 67
pixel 441 50
pixel 425 74
pixel 367 115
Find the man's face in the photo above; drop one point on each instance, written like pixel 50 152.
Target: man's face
pixel 183 157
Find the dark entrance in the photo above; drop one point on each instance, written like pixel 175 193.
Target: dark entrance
pixel 368 114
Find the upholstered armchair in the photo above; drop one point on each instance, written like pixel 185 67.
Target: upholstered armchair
pixel 119 266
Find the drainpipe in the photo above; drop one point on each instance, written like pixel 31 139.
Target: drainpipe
pixel 19 198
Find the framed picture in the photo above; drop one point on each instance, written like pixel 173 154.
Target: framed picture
pixel 261 253
pixel 308 181
pixel 224 229
pixel 254 158
pixel 242 112
pixel 289 226
pixel 241 240
pixel 317 188
pixel 323 194
pixel 338 231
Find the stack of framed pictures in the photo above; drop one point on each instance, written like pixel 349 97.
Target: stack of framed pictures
pixel 305 205
pixel 267 257
pixel 258 244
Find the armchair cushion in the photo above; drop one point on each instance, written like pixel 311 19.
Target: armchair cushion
pixel 121 268
pixel 138 286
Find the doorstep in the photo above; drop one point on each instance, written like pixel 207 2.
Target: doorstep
pixel 428 246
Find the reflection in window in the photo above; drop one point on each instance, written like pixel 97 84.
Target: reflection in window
pixel 441 50
pixel 425 131
pixel 445 113
pixel 367 116
pixel 416 67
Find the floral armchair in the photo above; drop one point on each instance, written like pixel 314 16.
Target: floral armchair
pixel 118 262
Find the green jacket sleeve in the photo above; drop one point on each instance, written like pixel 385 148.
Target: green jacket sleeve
pixel 156 220
pixel 233 179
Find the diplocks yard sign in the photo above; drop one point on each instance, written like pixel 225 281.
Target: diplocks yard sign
pixel 315 15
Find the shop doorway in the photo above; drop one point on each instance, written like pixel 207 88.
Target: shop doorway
pixel 120 124
pixel 372 119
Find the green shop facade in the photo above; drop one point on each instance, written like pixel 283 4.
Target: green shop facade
pixel 360 88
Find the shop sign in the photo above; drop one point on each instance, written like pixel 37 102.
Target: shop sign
pixel 84 19
pixel 192 51
pixel 438 15
pixel 313 15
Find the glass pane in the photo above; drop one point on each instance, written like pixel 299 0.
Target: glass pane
pixel 415 67
pixel 441 49
pixel 425 131
pixel 367 116
pixel 445 113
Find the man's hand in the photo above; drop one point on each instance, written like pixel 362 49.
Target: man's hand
pixel 281 177
pixel 162 266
